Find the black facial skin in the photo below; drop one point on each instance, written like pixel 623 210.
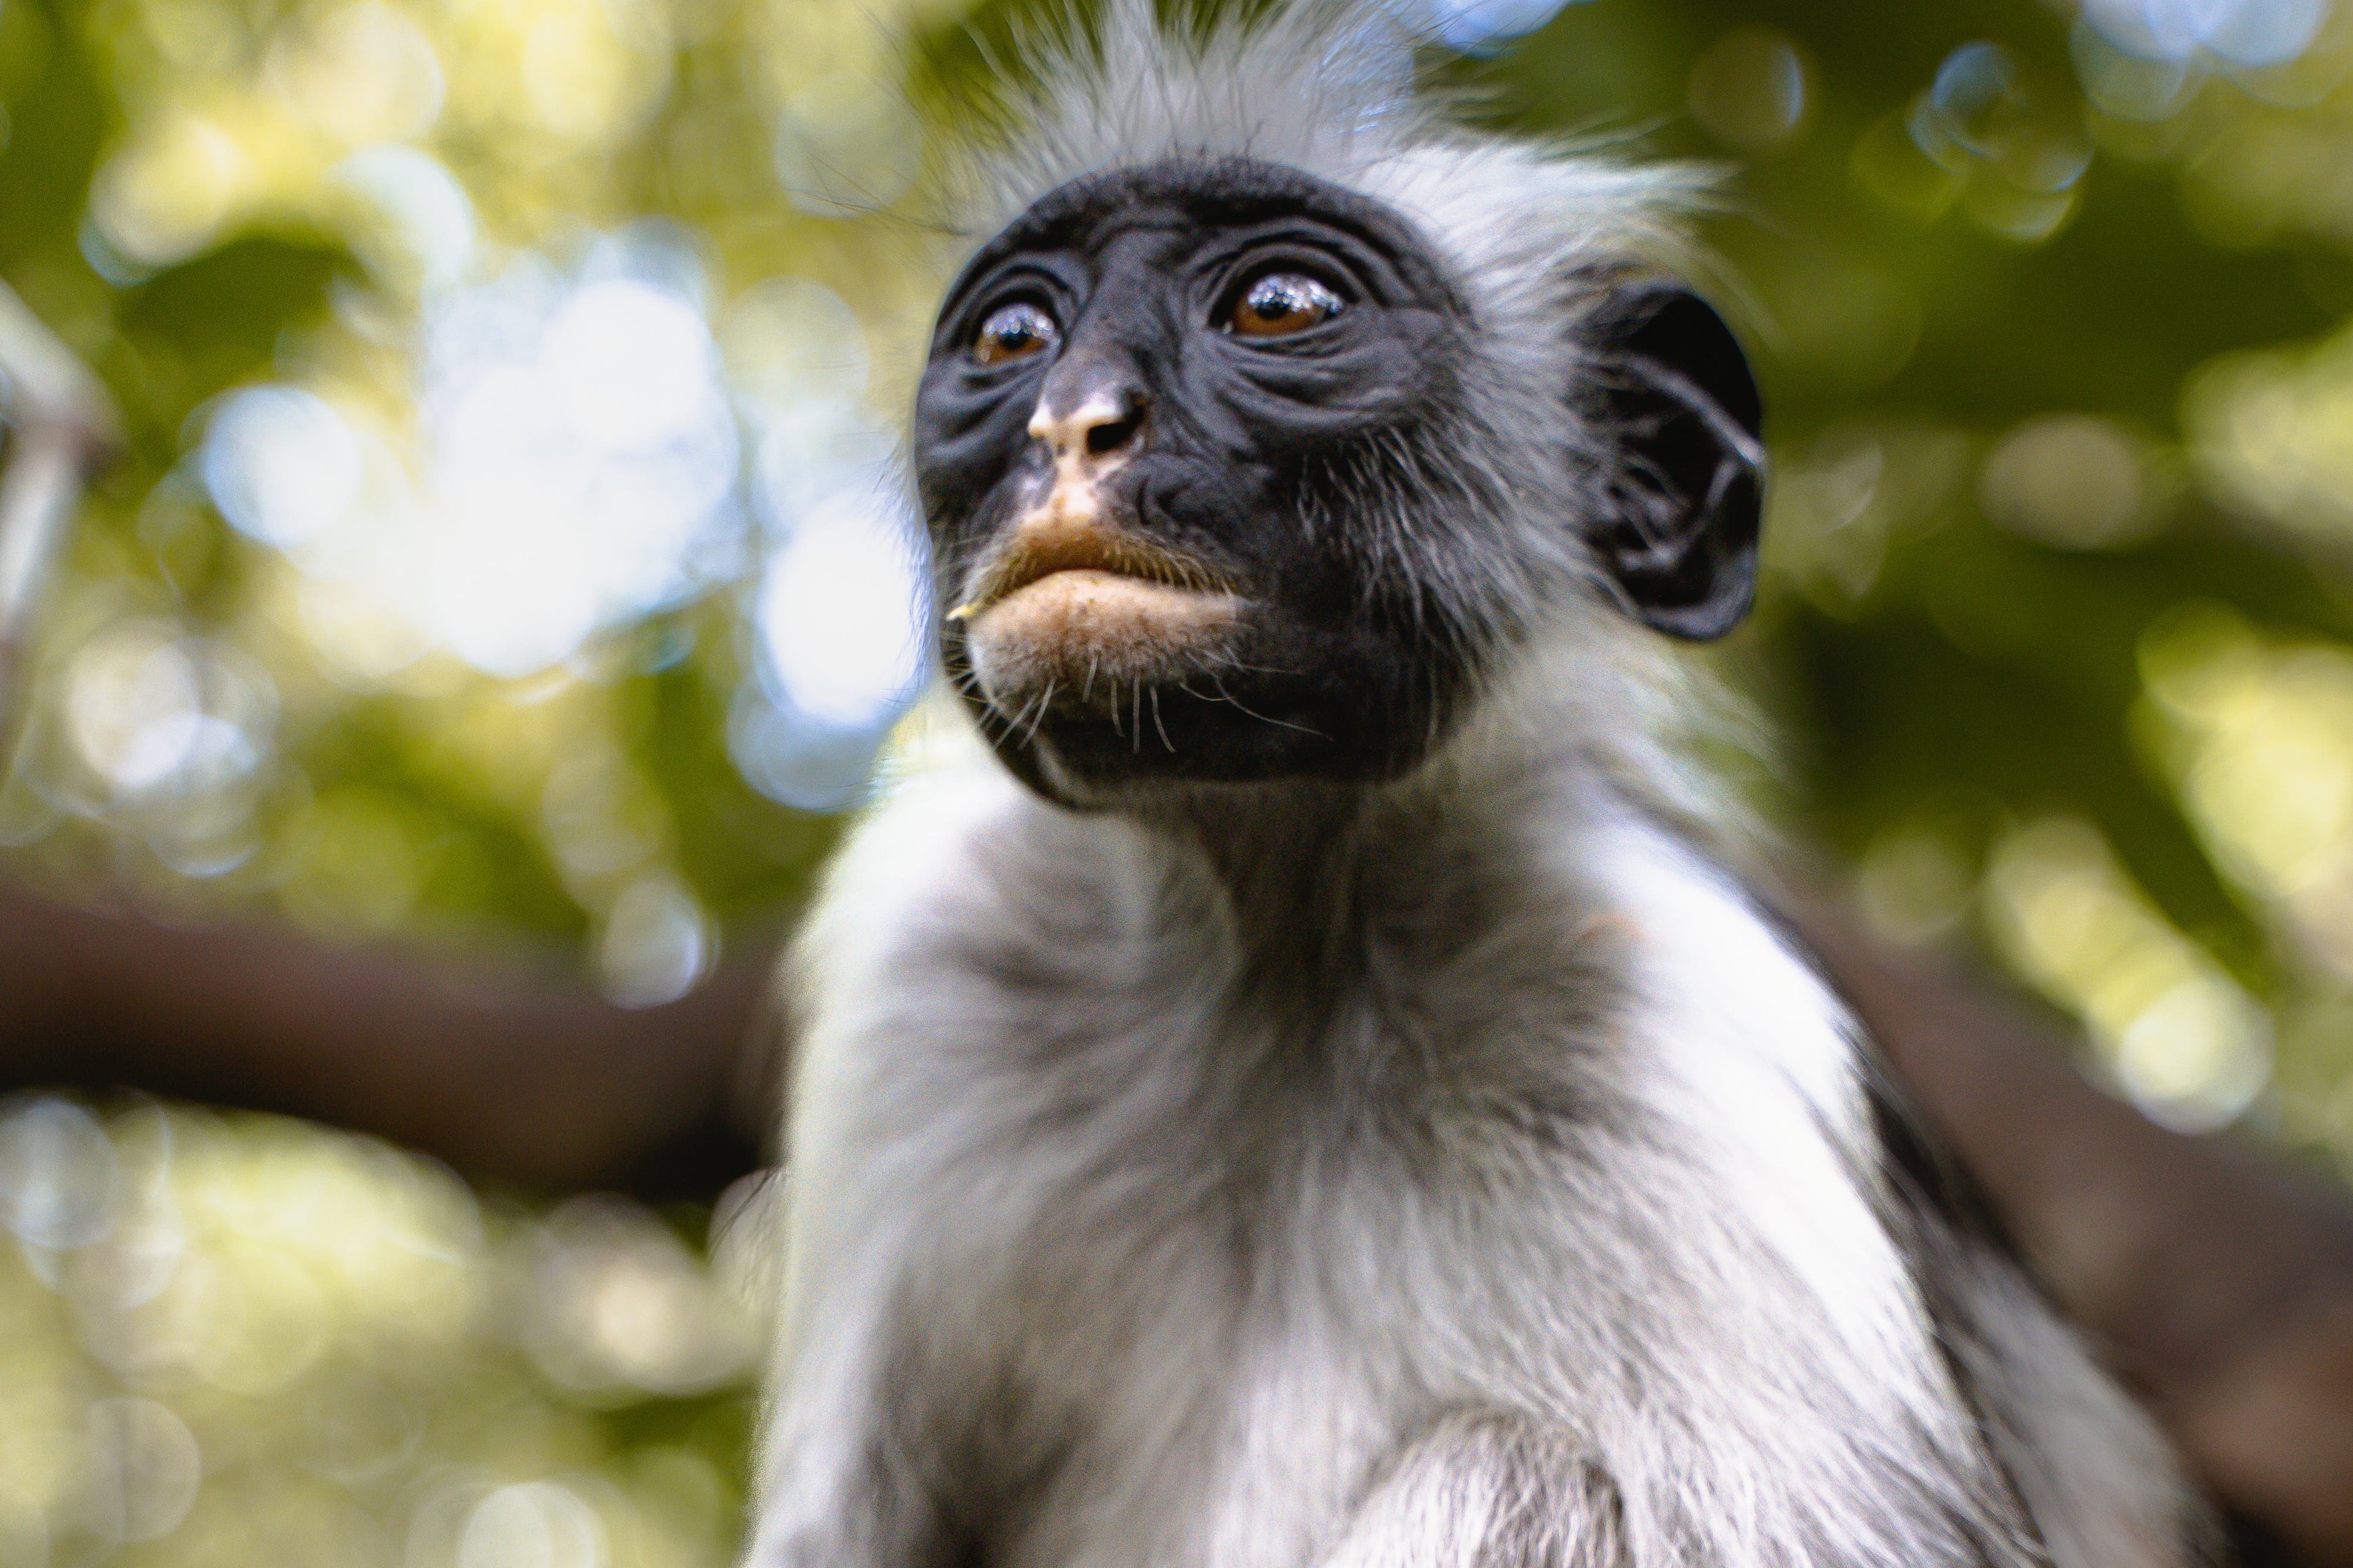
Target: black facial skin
pixel 1232 447
pixel 1139 270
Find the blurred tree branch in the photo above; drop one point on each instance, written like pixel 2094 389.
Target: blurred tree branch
pixel 511 1077
pixel 62 428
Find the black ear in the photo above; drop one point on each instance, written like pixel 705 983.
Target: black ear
pixel 1674 398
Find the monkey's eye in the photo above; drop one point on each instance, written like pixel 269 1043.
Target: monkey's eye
pixel 1281 303
pixel 1013 332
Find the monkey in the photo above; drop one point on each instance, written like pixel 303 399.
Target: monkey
pixel 1285 1072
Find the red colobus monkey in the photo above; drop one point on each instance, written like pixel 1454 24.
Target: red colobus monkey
pixel 1288 1081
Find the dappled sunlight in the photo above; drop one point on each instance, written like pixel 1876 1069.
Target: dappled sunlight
pixel 1856 492
pixel 2258 736
pixel 575 470
pixel 838 655
pixel 1751 89
pixel 2250 34
pixel 2181 1037
pixel 239 1333
pixel 537 427
pixel 2078 481
pixel 2273 435
pixel 2013 152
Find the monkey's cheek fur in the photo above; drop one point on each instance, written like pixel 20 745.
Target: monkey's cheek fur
pixel 1084 637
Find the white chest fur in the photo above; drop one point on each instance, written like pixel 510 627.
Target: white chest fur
pixel 1180 1224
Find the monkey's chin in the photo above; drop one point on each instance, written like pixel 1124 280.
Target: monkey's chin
pixel 1085 638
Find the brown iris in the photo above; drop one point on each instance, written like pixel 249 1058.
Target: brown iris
pixel 1281 303
pixel 1013 332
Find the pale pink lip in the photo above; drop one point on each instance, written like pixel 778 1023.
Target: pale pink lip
pixel 1081 590
pixel 1038 553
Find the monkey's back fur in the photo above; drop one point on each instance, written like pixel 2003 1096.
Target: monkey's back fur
pixel 1448 1168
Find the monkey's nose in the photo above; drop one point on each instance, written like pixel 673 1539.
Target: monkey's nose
pixel 1102 424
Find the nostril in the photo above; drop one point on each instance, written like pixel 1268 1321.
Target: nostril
pixel 1112 436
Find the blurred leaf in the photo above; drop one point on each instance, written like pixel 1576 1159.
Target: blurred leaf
pixel 224 311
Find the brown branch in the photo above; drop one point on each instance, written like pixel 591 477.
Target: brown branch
pixel 510 1076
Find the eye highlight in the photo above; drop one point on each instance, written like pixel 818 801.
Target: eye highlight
pixel 1013 332
pixel 1281 303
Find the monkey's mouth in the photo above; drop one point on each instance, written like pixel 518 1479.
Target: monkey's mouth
pixel 1039 554
pixel 1082 613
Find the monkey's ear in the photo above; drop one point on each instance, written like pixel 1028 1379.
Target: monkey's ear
pixel 1681 410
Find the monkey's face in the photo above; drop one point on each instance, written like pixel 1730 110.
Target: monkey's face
pixel 1133 395
pixel 1183 445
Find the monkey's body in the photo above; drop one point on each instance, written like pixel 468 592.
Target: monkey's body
pixel 1285 1090
pixel 1182 1191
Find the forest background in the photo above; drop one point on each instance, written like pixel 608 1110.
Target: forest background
pixel 506 558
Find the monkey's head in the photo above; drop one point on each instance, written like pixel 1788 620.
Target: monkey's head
pixel 1239 472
